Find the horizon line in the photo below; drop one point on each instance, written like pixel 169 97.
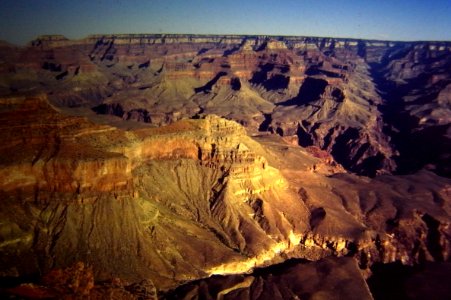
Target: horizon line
pixel 91 35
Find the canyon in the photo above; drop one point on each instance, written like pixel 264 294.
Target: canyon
pixel 225 167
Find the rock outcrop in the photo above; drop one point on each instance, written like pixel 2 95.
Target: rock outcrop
pixel 121 201
pixel 292 280
pixel 194 199
pixel 174 158
pixel 330 93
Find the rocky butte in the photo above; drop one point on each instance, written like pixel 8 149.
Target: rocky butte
pixel 225 167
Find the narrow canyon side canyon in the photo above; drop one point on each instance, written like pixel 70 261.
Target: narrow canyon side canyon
pixel 224 167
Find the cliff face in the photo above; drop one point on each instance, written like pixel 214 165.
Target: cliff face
pixel 50 159
pixel 121 201
pixel 132 154
pixel 283 282
pixel 414 116
pixel 195 198
pixel 324 92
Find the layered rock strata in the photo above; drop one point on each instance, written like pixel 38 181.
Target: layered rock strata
pixel 194 199
pixel 335 94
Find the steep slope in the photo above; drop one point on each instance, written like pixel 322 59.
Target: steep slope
pixel 292 280
pixel 340 116
pixel 131 155
pixel 131 208
pixel 194 199
pixel 335 94
pixel 415 81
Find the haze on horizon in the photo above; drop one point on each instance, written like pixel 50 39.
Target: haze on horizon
pixel 22 20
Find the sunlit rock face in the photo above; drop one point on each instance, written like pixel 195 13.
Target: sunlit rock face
pixel 196 198
pixel 174 158
pixel 198 188
pixel 58 163
pixel 357 100
pixel 290 280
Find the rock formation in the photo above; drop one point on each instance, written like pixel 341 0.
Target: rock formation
pixel 174 158
pixel 295 280
pixel 336 94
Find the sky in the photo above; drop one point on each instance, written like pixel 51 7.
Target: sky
pixel 23 20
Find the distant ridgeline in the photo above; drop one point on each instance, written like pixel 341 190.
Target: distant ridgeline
pixel 291 42
pixel 359 100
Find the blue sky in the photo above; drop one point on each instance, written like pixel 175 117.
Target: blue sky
pixel 22 20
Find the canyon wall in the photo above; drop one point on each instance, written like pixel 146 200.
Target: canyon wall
pixel 355 99
pixel 176 158
pixel 195 198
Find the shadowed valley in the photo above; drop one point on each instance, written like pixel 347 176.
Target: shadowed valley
pixel 224 167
